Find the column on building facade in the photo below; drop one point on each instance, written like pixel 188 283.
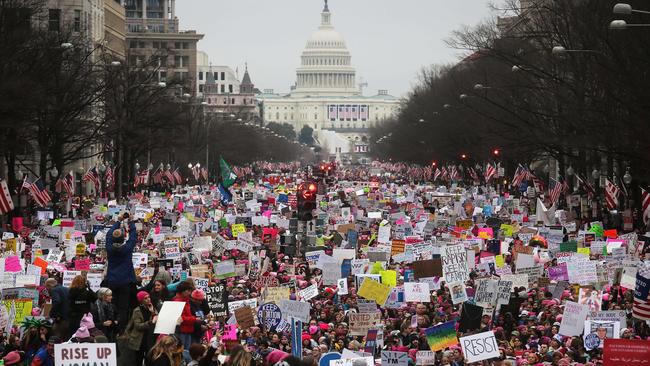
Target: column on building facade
pixel 165 9
pixel 144 10
pixel 173 9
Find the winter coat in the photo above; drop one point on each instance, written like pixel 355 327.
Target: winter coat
pixel 140 327
pixel 120 262
pixel 187 325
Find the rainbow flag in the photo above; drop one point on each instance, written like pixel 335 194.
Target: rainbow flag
pixel 442 336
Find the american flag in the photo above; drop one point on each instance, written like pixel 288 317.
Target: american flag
pixel 611 194
pixel 520 176
pixel 109 178
pixel 67 183
pixel 38 192
pixel 436 174
pixel 169 175
pixel 445 174
pixel 92 176
pixel 157 176
pixel 363 112
pixel 332 112
pixel 6 203
pixel 641 305
pixel 177 176
pixel 645 204
pixel 293 201
pixel 490 172
pixel 454 174
pixel 555 189
pixel 355 112
pixel 142 178
pixel 204 174
pixel 472 173
pixel 196 171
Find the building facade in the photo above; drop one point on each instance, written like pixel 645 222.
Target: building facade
pixel 326 97
pixel 225 77
pixel 153 36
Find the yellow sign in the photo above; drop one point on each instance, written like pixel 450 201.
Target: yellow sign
pixel 275 294
pixel 499 260
pixel 584 251
pixel 80 249
pixel 238 229
pixel 389 277
pixel 11 245
pixel 373 290
pixel 508 230
pixel 23 308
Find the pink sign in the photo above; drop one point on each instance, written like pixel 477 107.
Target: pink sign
pixel 12 264
pixel 82 264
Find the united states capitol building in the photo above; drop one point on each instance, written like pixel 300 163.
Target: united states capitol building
pixel 327 98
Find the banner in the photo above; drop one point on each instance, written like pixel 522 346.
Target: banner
pixel 217 299
pixel 628 351
pixel 361 323
pixel 573 319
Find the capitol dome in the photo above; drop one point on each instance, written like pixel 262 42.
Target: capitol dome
pixel 326 68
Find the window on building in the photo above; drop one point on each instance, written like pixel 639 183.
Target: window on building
pixel 185 61
pixel 155 45
pixel 223 76
pixel 230 90
pixel 133 44
pixel 186 45
pixel 315 115
pixel 177 45
pixel 201 91
pixel 232 100
pixel 277 116
pixel 141 44
pixel 177 75
pixel 77 20
pixel 223 88
pixel 54 20
pixel 200 75
pixel 225 100
pixel 177 61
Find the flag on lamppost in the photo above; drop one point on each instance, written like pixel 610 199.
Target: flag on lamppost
pixel 38 192
pixel 6 203
pixel 645 205
pixel 611 194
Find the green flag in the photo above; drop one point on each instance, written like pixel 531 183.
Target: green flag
pixel 227 175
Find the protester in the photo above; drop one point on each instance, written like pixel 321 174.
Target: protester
pixel 120 276
pixel 390 262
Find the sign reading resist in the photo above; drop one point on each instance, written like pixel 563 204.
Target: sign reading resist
pixel 479 347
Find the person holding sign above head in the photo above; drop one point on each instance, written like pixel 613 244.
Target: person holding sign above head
pixel 120 276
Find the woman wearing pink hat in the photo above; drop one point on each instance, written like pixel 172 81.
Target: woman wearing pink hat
pixel 139 334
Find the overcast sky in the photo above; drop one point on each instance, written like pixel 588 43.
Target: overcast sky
pixel 390 40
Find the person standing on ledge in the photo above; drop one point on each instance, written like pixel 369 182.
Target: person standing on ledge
pixel 120 275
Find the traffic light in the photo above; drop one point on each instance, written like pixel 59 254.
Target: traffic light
pixel 306 200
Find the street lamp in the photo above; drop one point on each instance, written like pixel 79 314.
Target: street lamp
pixel 620 24
pixel 162 84
pixel 189 165
pixel 569 171
pixel 626 9
pixel 627 178
pixel 561 51
pixel 116 63
pixel 66 45
pixel 463 96
pixel 137 166
pixel 150 167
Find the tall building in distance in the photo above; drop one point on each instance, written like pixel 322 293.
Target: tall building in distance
pixel 153 33
pixel 327 98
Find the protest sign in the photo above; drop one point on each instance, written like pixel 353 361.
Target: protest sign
pixel 486 292
pixel 573 319
pixel 269 315
pixel 373 290
pixel 275 294
pixel 245 318
pixel 425 358
pixel 417 292
pixel 217 299
pixel 458 292
pixel 74 354
pixel 308 293
pixel 503 292
pixel 582 272
pixel 610 315
pixel 628 351
pixel 479 347
pixel 171 250
pixel 295 309
pixel 394 358
pixel 167 317
pixel 454 263
pixel 224 269
pixel 234 305
pixel 441 336
pixel 362 322
pixel 68 276
pixel 427 268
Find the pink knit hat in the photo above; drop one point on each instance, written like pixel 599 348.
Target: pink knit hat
pixel 142 295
